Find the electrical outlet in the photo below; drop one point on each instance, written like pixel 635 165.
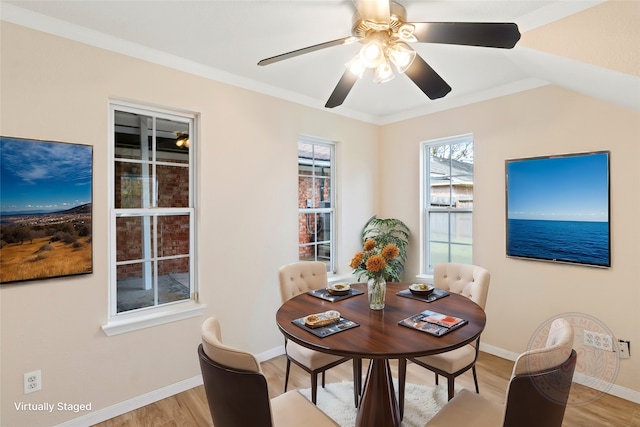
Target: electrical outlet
pixel 597 340
pixel 624 349
pixel 32 381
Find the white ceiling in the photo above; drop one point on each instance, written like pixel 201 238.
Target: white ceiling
pixel 224 40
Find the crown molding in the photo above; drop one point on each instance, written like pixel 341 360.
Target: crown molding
pixel 540 73
pixel 596 82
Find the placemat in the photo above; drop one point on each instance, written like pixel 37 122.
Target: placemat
pixel 436 294
pixel 324 331
pixel 433 323
pixel 325 295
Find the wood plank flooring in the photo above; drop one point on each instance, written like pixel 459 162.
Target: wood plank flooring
pixel 190 409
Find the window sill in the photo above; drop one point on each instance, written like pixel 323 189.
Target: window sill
pixel 425 277
pixel 153 318
pixel 335 278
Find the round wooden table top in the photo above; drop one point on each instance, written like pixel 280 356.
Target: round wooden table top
pixel 379 335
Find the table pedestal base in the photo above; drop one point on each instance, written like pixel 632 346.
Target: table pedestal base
pixel 378 406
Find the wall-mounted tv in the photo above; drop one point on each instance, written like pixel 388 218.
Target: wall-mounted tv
pixel 558 208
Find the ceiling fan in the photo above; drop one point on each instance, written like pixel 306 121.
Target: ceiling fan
pixel 382 28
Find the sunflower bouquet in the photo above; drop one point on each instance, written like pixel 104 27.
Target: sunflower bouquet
pixel 375 261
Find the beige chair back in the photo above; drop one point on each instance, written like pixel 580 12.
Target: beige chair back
pixel 537 393
pixel 539 387
pixel 557 349
pixel 237 391
pixel 472 281
pixel 300 277
pixel 223 354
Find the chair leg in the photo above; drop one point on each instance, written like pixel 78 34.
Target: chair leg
pixel 402 377
pixel 475 378
pixel 286 375
pixel 357 380
pixel 450 387
pixel 436 379
pixel 323 378
pixel 314 387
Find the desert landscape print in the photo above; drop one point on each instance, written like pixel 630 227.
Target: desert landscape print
pixel 45 209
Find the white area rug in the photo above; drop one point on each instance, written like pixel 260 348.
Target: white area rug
pixel 420 405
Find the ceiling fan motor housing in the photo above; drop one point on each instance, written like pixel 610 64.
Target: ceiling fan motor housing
pixel 362 28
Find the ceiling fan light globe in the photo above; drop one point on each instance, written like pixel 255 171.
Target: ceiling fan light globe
pixel 356 66
pixel 383 73
pixel 372 54
pixel 401 55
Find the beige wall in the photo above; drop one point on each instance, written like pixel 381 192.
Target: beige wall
pixel 604 35
pixel 55 89
pixel 524 294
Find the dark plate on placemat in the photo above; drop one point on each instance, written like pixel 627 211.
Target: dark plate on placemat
pixel 422 289
pixel 325 295
pixel 434 295
pixel 324 331
pixel 339 288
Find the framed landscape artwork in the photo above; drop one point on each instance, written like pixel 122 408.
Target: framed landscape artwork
pixel 45 209
pixel 558 208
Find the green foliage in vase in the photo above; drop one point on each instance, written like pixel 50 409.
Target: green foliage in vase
pixel 389 231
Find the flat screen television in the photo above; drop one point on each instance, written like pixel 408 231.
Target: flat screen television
pixel 558 208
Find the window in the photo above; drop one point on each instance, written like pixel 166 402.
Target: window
pixel 316 201
pixel 448 201
pixel 152 211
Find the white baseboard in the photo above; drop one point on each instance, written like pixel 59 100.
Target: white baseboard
pixel 133 404
pixel 614 390
pixel 497 351
pixel 270 354
pixel 151 397
pixel 162 393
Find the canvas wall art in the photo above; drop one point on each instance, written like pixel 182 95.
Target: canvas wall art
pixel 45 209
pixel 558 208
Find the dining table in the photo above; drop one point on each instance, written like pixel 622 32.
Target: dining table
pixel 378 336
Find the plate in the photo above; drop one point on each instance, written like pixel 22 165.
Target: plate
pixel 339 288
pixel 421 288
pixel 322 319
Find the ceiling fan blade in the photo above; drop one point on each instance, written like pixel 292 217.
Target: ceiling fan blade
pixel 308 49
pixel 427 79
pixel 377 11
pixel 342 89
pixel 487 34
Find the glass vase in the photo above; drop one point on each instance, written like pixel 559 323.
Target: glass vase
pixel 377 288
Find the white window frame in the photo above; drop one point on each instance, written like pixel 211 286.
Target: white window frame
pixel 332 191
pixel 425 257
pixel 164 313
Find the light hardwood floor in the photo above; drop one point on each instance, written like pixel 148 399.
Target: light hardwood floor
pixel 190 407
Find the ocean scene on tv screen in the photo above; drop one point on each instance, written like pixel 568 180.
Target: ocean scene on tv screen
pixel 558 208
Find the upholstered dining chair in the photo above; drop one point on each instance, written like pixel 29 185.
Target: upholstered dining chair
pixel 237 390
pixel 537 393
pixel 297 278
pixel 472 281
